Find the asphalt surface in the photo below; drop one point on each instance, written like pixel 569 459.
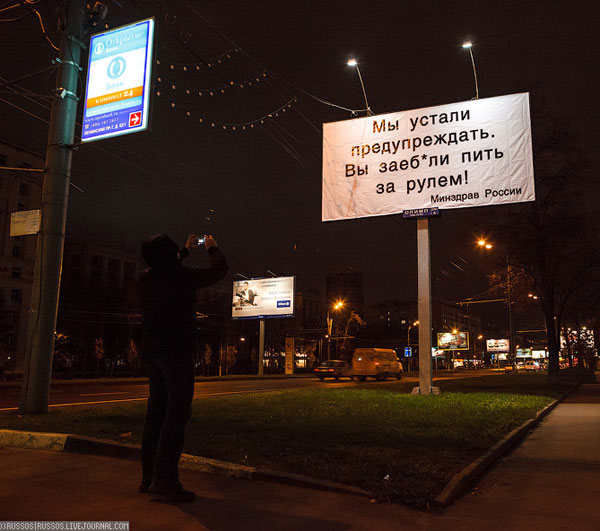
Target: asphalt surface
pixel 92 391
pixel 551 482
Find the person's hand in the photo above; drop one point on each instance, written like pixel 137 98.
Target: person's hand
pixel 209 241
pixel 192 242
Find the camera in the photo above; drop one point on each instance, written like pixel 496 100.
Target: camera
pixel 200 240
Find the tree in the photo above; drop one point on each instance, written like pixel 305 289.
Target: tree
pixel 551 239
pixel 354 323
pixel 64 356
pixel 229 357
pixel 133 356
pixel 206 358
pixel 98 353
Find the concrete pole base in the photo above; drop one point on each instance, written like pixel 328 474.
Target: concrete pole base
pixel 432 391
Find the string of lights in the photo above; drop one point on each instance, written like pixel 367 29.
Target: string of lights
pixel 239 125
pixel 196 66
pixel 253 60
pixel 265 122
pixel 215 91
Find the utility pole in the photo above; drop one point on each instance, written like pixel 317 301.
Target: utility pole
pixel 55 194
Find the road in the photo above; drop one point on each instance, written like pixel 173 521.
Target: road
pixel 93 392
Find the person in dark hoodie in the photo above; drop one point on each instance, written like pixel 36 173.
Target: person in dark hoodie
pixel 168 290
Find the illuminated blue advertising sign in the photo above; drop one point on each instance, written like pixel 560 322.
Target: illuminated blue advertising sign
pixel 118 82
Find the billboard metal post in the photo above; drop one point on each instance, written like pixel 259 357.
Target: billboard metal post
pixel 55 193
pixel 261 347
pixel 425 313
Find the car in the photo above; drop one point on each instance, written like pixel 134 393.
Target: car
pixel 531 365
pixel 333 369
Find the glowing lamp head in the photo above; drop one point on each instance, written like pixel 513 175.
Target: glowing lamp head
pixel 352 62
pixel 467 45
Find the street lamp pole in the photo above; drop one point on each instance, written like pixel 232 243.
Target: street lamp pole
pixel 410 362
pixel 511 329
pixel 336 306
pixel 469 46
pixel 354 62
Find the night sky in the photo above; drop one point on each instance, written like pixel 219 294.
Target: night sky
pixel 259 190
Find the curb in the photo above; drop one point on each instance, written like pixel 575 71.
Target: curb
pixel 80 444
pixel 468 475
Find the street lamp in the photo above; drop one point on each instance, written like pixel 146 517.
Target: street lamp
pixel 511 346
pixel 469 46
pixel 337 306
pixel 354 62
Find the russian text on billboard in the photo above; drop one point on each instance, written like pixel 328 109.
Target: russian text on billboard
pixel 466 154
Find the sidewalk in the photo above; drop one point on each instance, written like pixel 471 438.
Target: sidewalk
pixel 551 481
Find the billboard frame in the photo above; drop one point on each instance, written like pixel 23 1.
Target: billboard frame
pixel 271 316
pixel 468 347
pixel 147 82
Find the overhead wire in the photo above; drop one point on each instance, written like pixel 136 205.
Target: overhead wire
pixel 18 4
pixel 290 150
pixel 30 12
pixel 222 35
pixel 262 67
pixel 285 145
pixel 187 191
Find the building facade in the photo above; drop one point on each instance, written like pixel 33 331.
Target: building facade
pixel 20 190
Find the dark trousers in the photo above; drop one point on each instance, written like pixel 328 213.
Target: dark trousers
pixel 169 408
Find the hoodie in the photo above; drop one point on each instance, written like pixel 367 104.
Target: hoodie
pixel 169 296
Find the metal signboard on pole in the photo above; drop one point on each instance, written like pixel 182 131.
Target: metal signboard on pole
pixel 118 81
pixel 466 154
pixel 25 222
pixel 263 297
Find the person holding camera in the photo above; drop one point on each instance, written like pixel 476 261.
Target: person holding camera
pixel 169 331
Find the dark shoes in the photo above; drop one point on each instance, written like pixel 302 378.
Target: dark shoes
pixel 144 485
pixel 169 494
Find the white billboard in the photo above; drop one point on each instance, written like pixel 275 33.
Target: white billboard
pixel 498 345
pixel 118 82
pixel 467 154
pixel 263 297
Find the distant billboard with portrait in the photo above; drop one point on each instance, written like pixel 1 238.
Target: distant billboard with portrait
pixel 451 341
pixel 263 297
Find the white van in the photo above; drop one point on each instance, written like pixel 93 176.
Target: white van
pixel 378 363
